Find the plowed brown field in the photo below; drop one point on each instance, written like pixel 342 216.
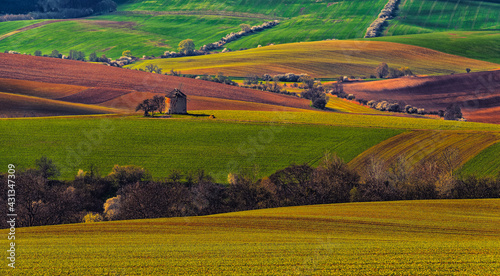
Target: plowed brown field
pixel 477 93
pixel 95 95
pixel 12 105
pixel 69 72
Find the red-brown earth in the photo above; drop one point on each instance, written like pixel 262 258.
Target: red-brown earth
pixel 478 93
pixel 117 81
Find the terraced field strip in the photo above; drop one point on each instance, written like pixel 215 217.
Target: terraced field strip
pixel 430 237
pixel 418 145
pixel 325 59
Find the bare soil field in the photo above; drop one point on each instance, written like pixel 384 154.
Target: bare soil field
pixel 477 93
pixel 12 105
pixel 67 72
pixel 95 95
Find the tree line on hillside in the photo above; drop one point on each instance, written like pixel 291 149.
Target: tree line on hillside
pixel 13 10
pixel 130 192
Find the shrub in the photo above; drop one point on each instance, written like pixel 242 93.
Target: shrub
pixel 91 217
pixel 38 53
pixel 453 112
pixel 127 53
pixel 245 27
pixel 382 70
pixel 55 54
pixel 186 46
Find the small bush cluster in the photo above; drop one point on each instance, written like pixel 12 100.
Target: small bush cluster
pixel 288 77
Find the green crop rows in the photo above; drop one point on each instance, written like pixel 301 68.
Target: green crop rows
pixel 161 145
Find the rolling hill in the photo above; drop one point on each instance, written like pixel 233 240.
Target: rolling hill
pixel 110 83
pixel 481 45
pixel 438 237
pixel 152 27
pixel 425 16
pixel 325 59
pixel 416 146
pixel 478 94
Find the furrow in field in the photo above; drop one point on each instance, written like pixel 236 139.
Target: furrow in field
pixel 416 146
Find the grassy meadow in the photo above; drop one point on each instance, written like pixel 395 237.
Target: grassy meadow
pixel 437 237
pixel 486 162
pixel 186 144
pixel 425 16
pixel 325 59
pixel 235 141
pixel 481 45
pixel 113 34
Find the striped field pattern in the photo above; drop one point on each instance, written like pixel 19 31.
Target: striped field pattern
pixel 416 146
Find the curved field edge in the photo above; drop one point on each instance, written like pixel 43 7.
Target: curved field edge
pixel 438 237
pixel 481 45
pixel 416 146
pixel 184 143
pixel 485 163
pixel 426 16
pixel 324 59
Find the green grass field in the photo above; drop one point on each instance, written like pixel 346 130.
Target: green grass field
pixel 141 34
pixel 482 45
pixel 486 163
pixel 161 145
pixel 424 16
pixel 235 141
pixel 156 26
pixel 437 237
pixel 152 27
pixel 7 27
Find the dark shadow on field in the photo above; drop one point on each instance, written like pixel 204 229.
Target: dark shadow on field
pixel 164 116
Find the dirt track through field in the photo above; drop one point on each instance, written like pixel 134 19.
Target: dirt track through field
pixel 30 27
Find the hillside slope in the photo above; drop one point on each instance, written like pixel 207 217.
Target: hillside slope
pixel 325 59
pixel 478 94
pixel 438 237
pixel 110 79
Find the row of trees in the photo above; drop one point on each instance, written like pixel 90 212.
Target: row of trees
pixel 129 192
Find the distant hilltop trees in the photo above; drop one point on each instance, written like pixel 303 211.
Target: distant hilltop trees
pixel 46 9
